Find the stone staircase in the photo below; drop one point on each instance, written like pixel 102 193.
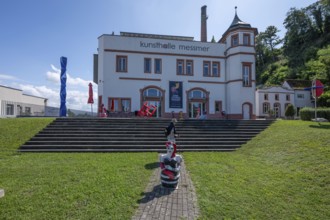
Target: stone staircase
pixel 141 135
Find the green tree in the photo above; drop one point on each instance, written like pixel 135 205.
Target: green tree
pixel 271 39
pixel 324 100
pixel 289 111
pixel 319 68
pixel 266 52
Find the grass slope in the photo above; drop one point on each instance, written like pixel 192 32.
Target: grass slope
pixel 283 173
pixel 67 185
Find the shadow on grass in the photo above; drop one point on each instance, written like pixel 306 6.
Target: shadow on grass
pixel 157 192
pixel 151 166
pixel 319 125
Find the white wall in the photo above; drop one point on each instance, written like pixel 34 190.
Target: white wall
pixel 271 91
pixel 128 85
pixel 16 98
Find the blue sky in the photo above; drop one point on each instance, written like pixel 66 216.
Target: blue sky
pixel 34 34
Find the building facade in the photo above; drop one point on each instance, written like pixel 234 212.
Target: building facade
pixel 14 103
pixel 274 100
pixel 302 96
pixel 176 74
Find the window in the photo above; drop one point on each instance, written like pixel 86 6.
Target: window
pixel 28 110
pixel 119 104
pixel 247 75
pixel 265 108
pixel 234 40
pixel 121 64
pixel 197 94
pixel 113 104
pixel 246 39
pixel 152 93
pixel 218 106
pixel 126 105
pixel 158 66
pixel 265 97
pixel 9 109
pixel 190 67
pixel 287 97
pixel 277 97
pixel 300 96
pixel 147 65
pixel 216 69
pixel 179 67
pixel 206 68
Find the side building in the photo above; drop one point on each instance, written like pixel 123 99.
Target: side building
pixel 275 99
pixel 14 103
pixel 177 74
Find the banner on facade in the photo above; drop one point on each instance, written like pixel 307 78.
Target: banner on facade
pixel 175 89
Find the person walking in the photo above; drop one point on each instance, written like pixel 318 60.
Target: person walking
pixel 171 131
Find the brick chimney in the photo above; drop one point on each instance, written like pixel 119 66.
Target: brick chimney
pixel 203 24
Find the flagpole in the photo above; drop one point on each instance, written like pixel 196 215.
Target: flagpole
pixel 315 109
pixel 92 109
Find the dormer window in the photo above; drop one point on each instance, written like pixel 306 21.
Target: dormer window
pixel 234 40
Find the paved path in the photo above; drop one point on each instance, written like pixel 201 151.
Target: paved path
pixel 168 204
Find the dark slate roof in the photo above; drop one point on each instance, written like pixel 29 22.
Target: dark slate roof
pixel 238 23
pixel 299 83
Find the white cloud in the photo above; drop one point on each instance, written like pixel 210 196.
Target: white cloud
pixel 76 91
pixel 8 77
pixel 54 76
pixel 75 99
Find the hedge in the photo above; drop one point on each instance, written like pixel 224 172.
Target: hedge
pixel 307 114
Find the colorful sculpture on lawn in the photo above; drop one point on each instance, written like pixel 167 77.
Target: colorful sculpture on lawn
pixel 170 165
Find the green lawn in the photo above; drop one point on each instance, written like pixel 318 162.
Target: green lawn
pixel 284 173
pixel 67 185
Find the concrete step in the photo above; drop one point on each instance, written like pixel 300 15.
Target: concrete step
pixel 136 135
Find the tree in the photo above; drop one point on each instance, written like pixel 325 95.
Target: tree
pixel 289 111
pixel 324 100
pixel 308 30
pixel 271 39
pixel 266 52
pixel 320 67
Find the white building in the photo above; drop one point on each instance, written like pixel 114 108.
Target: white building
pixel 14 103
pixel 178 74
pixel 273 100
pixel 277 98
pixel 302 97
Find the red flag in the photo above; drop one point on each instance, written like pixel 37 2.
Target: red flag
pixel 317 88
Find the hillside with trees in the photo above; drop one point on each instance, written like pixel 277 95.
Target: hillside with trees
pixel 303 53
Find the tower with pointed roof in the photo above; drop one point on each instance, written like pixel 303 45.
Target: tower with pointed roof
pixel 239 41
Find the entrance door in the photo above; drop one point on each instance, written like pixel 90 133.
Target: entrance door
pixel 246 111
pixel 158 105
pixel 196 109
pixel 277 110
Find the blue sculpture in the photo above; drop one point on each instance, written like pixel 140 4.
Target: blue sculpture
pixel 63 87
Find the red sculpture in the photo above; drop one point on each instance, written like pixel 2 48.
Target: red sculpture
pixel 147 110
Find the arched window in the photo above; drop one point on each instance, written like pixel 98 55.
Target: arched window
pixel 152 93
pixel 197 94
